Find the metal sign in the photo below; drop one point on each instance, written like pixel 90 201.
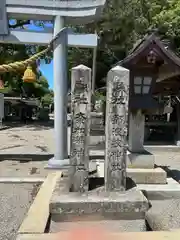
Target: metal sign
pixel 4 27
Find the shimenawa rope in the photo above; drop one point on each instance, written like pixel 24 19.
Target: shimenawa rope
pixel 24 64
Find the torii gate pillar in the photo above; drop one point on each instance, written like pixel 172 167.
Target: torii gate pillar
pixel 60 159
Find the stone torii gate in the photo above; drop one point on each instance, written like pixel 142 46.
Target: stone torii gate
pixel 61 12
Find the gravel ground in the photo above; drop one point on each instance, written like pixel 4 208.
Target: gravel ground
pixel 15 200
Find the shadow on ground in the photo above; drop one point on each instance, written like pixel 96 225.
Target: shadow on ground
pixel 171 173
pixel 34 125
pixel 23 158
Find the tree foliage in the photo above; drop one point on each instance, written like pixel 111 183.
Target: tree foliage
pixel 122 24
pixel 125 22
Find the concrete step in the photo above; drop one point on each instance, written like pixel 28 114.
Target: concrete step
pixel 108 225
pixel 161 191
pixel 148 176
pixel 134 160
pixel 139 176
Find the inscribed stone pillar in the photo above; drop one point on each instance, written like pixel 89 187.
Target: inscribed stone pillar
pixel 116 128
pixel 80 129
pixel 136 131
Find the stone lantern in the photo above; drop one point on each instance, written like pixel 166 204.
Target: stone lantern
pixel 153 69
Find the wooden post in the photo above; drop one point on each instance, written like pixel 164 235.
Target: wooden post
pixel 80 129
pixel 116 128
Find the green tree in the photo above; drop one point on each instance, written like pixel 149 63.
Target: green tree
pixel 168 22
pixel 13 82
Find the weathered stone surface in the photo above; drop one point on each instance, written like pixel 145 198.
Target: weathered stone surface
pixel 136 132
pixel 144 160
pixel 116 128
pixel 80 131
pixel 110 205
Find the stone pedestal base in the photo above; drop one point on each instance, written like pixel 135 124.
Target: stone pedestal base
pixel 139 175
pixel 147 176
pixel 58 164
pixel 99 205
pixel 140 160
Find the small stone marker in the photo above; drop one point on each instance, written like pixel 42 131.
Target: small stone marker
pixel 80 132
pixel 136 132
pixel 116 128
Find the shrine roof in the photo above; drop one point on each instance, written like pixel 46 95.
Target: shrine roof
pixel 147 43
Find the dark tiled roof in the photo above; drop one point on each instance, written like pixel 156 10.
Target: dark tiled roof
pixel 143 44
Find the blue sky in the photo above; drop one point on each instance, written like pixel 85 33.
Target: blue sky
pixel 46 69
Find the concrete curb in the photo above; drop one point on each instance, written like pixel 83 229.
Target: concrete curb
pixel 38 214
pixel 113 236
pixel 26 156
pixel 21 180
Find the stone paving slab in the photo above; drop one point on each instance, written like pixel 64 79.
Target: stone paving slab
pixel 164 215
pixel 111 225
pixel 23 169
pixel 161 191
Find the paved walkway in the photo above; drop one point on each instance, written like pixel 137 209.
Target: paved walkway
pixel 38 139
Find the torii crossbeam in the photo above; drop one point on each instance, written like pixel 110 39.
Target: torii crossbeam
pixel 61 12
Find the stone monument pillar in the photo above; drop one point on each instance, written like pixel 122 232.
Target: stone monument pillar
pixel 136 131
pixel 116 128
pixel 111 201
pixel 80 129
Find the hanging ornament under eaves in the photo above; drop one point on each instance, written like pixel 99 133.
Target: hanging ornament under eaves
pixel 29 75
pixel 151 57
